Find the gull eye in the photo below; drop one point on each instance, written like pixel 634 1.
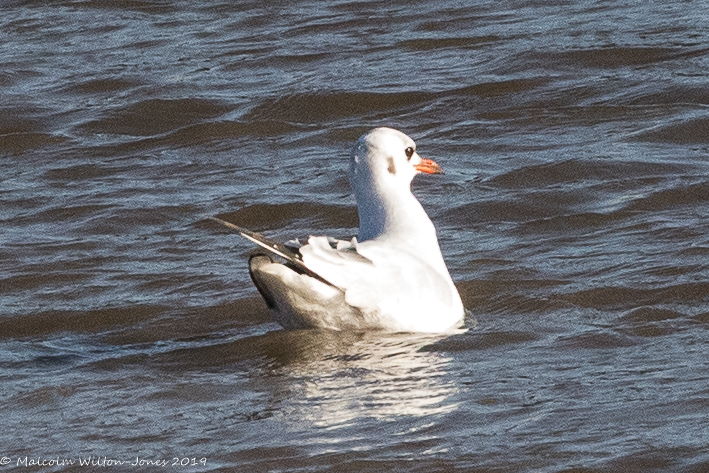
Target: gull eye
pixel 409 152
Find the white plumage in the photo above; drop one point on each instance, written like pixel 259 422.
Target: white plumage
pixel 394 278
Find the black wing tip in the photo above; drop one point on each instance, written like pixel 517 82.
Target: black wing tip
pixel 229 225
pixel 278 249
pixel 292 256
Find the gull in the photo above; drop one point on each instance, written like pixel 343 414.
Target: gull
pixel 391 277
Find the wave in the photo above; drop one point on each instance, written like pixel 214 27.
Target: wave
pixel 277 216
pixel 610 297
pixel 156 116
pixel 327 106
pixel 689 132
pixel 583 170
pixel 77 321
pixel 427 44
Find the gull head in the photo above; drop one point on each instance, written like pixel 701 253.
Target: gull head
pixel 386 158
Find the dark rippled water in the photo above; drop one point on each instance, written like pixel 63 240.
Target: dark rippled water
pixel 574 216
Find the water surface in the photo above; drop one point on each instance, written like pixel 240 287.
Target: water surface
pixel 573 216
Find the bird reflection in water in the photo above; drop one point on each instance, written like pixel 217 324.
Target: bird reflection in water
pixel 334 378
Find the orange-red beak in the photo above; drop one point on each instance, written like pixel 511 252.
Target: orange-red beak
pixel 429 166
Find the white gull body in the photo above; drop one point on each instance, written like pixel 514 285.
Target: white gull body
pixel 394 278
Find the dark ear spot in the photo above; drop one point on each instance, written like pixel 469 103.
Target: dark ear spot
pixel 391 168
